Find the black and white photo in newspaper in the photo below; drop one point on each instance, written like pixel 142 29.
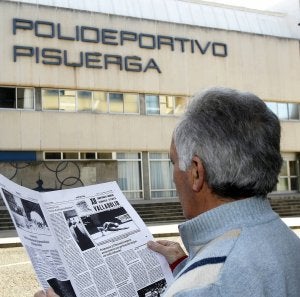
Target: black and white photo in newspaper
pixel 32 226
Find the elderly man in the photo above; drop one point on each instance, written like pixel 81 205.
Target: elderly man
pixel 226 156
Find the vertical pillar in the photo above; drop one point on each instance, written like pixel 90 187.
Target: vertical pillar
pixel 146 175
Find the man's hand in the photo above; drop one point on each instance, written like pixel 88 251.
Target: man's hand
pixel 171 250
pixel 49 293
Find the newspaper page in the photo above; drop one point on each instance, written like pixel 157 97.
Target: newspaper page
pixel 102 245
pixel 34 230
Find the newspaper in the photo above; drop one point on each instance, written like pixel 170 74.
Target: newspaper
pixel 87 241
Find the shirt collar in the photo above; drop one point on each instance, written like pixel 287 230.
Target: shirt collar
pixel 231 215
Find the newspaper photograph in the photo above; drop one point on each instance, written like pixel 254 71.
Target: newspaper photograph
pixel 96 242
pixel 34 231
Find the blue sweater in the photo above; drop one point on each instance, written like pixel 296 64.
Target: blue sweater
pixel 239 249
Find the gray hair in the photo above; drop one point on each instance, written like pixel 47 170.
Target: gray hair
pixel 237 139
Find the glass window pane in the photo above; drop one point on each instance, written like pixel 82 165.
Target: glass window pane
pixel 7 98
pixel 130 174
pixel 180 104
pixel 99 101
pixel 272 106
pixel 70 155
pixel 166 105
pixel 52 155
pixel 294 184
pixel 163 194
pixel 161 176
pixel 50 99
pixel 159 156
pixel 152 104
pixel 67 100
pixel 84 101
pixel 283 111
pixel 115 102
pixel 104 156
pixel 293 111
pixel 88 156
pixel 293 168
pixel 282 185
pixel 283 171
pixel 131 103
pixel 135 156
pixel 25 98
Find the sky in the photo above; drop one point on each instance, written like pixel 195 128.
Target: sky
pixel 290 6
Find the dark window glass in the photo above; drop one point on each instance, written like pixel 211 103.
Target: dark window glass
pixel 52 156
pixel 7 98
pixel 88 156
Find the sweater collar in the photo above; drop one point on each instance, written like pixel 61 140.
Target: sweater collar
pixel 208 225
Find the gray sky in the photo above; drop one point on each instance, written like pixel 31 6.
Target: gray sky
pixel 289 6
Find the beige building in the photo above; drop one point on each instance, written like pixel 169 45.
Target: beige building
pixel 90 91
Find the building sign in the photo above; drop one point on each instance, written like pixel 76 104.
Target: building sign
pixel 105 37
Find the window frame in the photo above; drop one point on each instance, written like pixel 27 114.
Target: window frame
pixel 289 177
pixel 123 103
pixel 16 98
pixel 159 101
pixel 171 176
pixel 288 108
pixel 140 164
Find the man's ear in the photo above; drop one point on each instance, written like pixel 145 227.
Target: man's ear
pixel 198 173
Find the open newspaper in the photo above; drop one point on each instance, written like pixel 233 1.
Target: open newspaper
pixel 87 241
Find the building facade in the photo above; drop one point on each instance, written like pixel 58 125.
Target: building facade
pixel 90 91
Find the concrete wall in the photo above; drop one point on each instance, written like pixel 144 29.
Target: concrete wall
pixel 47 176
pixel 267 66
pixel 22 130
pixel 42 131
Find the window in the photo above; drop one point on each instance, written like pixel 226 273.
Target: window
pixel 103 102
pixel 165 105
pixel 88 156
pixel 123 103
pixel 63 100
pixel 67 100
pixel 52 155
pixel 105 156
pixel 152 104
pixel 25 98
pixel 288 177
pixel 130 174
pixel 70 156
pixel 285 111
pixel 161 176
pixel 84 101
pixel 131 103
pixel 293 111
pixel 7 97
pixel 180 104
pixel 116 102
pixel 50 99
pixel 100 102
pixel 20 98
